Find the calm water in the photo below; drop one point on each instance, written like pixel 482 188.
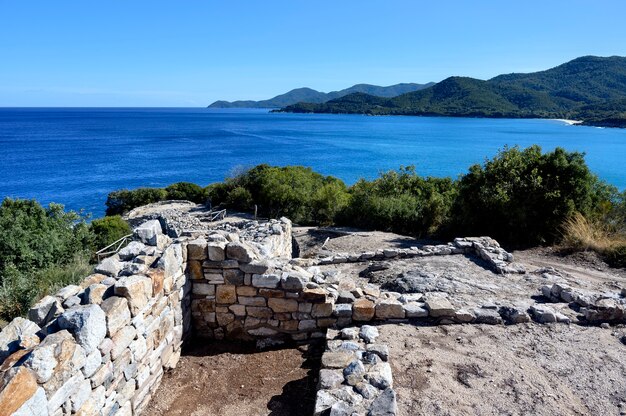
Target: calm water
pixel 76 156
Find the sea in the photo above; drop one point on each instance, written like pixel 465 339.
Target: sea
pixel 76 156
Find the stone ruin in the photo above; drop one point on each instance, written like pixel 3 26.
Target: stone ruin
pixel 101 347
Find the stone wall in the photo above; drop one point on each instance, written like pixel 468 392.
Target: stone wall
pixel 100 347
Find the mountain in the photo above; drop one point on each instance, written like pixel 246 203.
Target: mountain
pixel 309 95
pixel 589 88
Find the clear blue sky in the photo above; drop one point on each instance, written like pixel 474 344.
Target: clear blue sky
pixel 192 52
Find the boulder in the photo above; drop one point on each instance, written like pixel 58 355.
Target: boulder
pixel 132 250
pixel 240 252
pixel 117 314
pixel 148 232
pixel 18 386
pixel 14 333
pixel 45 310
pixel 87 323
pixel 385 404
pixel 111 266
pixel 136 289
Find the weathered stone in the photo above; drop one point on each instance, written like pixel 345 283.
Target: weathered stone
pixel 363 310
pixel 12 335
pixel 172 260
pixel 45 310
pixel 226 294
pixel 515 314
pixel 110 266
pixel 37 405
pixel 487 316
pixel 337 359
pixel 60 396
pixel 380 350
pixel 322 310
pixel 97 292
pixel 17 386
pixel 121 340
pixel 252 301
pixel 415 310
pixel 197 249
pixel 439 307
pixel 81 395
pixel 87 323
pixel 293 281
pixel 283 305
pixel 463 316
pixel 216 252
pixel 132 250
pixel 343 310
pixel 238 310
pixel 256 267
pixel 385 404
pixel 345 297
pixel 379 375
pixel 543 313
pixel 330 379
pixel 263 332
pixel 157 277
pixel 389 309
pixel 323 402
pixel 104 376
pixel 136 290
pixel 233 277
pixel 240 252
pixel 307 325
pixel 194 269
pixel 349 333
pixel 366 390
pixel 368 333
pixel 117 314
pixel 67 292
pixel 269 281
pixel 203 289
pixel 314 295
pixel 148 232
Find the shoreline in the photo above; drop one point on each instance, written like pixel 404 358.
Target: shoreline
pixel 567 121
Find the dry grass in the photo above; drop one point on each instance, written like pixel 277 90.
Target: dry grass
pixel 583 234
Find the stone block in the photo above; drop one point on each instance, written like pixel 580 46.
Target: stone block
pixel 45 310
pixel 252 301
pixel 439 307
pixel 363 310
pixel 322 310
pixel 14 333
pixel 157 276
pixel 233 277
pixel 110 266
pixel 314 294
pixel 283 305
pixel 148 232
pixel 117 314
pixel 136 290
pixel 216 252
pixel 203 289
pixel 259 312
pixel 121 340
pixel 256 267
pixel 17 387
pixel 246 291
pixel 240 252
pixel 197 249
pixel 269 281
pixel 87 323
pixel 194 269
pixel 226 294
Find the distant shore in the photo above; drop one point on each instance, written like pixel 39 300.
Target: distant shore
pixel 566 121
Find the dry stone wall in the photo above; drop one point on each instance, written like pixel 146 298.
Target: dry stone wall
pixel 101 347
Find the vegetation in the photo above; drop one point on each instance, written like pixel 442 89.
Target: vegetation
pixel 44 249
pixel 122 201
pixel 591 89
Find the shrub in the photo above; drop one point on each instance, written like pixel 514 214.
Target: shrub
pixel 107 230
pixel 401 201
pixel 120 202
pixel 41 250
pixel 239 198
pixel 186 191
pixel 522 197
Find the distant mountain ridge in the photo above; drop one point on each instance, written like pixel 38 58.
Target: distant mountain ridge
pixel 589 88
pixel 309 95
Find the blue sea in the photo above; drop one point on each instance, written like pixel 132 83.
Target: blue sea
pixel 77 156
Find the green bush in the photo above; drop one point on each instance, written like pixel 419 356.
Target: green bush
pixel 239 198
pixel 522 197
pixel 120 202
pixel 107 230
pixel 41 250
pixel 186 191
pixel 401 201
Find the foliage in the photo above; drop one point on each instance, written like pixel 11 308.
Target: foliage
pixel 122 201
pixel 107 230
pixel 401 201
pixel 186 191
pixel 40 249
pixel 523 196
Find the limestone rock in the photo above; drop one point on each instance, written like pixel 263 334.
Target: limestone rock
pixel 55 353
pixel 132 250
pixel 385 404
pixel 87 323
pixel 45 310
pixel 337 359
pixel 18 386
pixel 487 316
pixel 269 281
pixel 439 307
pixel 117 314
pixel 197 249
pixel 37 405
pixel 330 379
pixel 543 313
pixel 415 310
pixel 172 260
pixel 136 290
pixel 111 266
pixel 389 309
pixel 239 252
pixel 368 333
pixel 363 310
pixel 148 232
pixel 13 334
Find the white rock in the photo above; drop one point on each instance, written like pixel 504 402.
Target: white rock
pixel 87 323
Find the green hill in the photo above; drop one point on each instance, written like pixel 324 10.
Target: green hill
pixel 309 95
pixel 589 88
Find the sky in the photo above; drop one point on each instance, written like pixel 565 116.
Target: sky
pixel 125 53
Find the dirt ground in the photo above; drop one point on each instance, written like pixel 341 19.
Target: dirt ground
pixel 525 369
pixel 234 379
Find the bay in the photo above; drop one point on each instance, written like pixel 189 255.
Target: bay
pixel 76 156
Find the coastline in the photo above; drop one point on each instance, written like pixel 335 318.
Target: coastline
pixel 567 121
